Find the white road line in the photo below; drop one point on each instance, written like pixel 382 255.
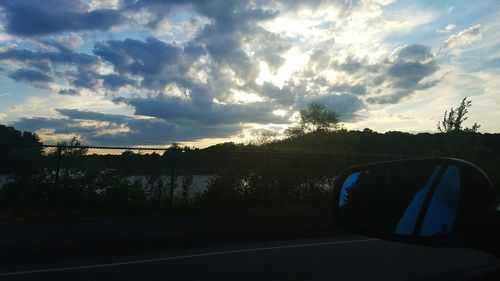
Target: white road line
pixel 182 257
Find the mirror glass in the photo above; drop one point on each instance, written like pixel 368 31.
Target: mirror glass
pixel 404 198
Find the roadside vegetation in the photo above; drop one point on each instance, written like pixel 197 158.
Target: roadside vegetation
pixel 293 173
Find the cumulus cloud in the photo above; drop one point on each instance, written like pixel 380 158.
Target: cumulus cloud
pixel 71 41
pixel 68 92
pixel 464 37
pixel 45 59
pixel 114 81
pixel 404 72
pixel 386 80
pixel 178 109
pixel 345 104
pixel 30 75
pixel 447 28
pixel 31 18
pixel 191 85
pixel 410 65
pixel 53 55
pixel 115 129
pixel 231 14
pixel 356 89
pixel 157 62
pixel 44 62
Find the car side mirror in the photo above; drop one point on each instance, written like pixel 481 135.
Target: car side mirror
pixel 438 201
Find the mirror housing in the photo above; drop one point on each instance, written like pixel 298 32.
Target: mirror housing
pixel 431 201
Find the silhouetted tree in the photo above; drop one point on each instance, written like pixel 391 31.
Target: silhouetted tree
pixel 11 136
pixel 264 136
pixel 18 150
pixel 315 118
pixel 453 119
pixel 72 148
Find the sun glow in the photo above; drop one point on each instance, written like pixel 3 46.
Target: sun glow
pixel 295 59
pixel 242 97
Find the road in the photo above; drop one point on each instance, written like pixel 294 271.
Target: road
pixel 339 258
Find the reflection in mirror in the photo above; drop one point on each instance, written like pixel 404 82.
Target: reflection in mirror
pixel 408 221
pixel 390 198
pixel 442 210
pixel 349 182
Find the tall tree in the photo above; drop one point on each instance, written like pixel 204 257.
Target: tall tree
pixel 455 117
pixel 11 136
pixel 315 118
pixel 18 150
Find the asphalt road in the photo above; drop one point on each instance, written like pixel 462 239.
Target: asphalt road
pixel 340 258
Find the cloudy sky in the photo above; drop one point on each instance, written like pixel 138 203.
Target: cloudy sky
pixel 153 72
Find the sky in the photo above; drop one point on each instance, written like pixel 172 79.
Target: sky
pixel 153 72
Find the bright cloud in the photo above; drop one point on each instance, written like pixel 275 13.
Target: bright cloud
pixel 155 72
pixel 447 28
pixel 464 37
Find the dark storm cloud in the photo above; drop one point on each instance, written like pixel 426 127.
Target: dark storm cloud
pixel 30 75
pixel 32 18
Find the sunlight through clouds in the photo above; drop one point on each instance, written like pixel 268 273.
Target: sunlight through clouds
pixel 294 60
pixel 200 71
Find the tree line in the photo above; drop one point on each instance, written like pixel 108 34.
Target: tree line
pixel 298 169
